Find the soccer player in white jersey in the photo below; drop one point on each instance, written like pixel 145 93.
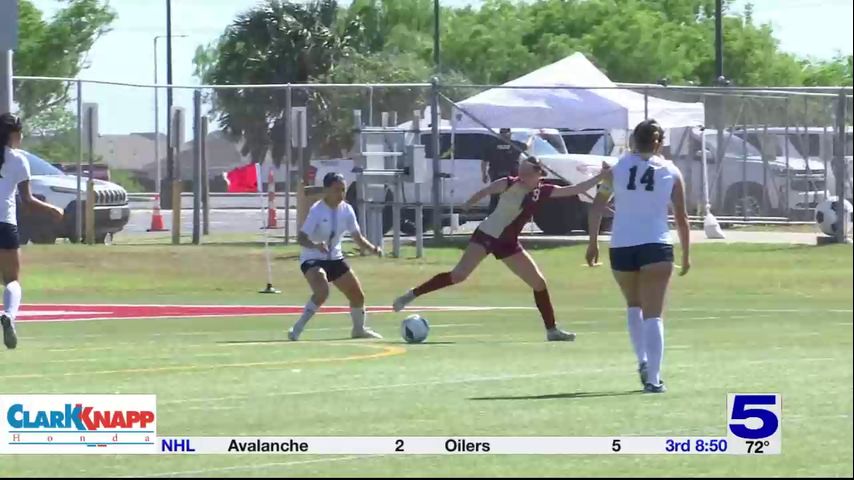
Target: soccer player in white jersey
pixel 644 186
pixel 321 258
pixel 14 178
pixel 498 234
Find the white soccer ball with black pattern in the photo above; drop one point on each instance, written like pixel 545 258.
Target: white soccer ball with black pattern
pixel 414 329
pixel 826 215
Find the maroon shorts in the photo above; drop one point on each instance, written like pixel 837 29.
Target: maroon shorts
pixel 498 248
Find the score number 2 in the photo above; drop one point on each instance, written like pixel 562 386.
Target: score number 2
pixel 398 445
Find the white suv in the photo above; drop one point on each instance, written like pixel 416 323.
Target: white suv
pixel 50 184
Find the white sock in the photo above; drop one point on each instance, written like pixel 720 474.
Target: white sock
pixel 634 321
pixel 12 299
pixel 307 313
pixel 653 330
pixel 358 316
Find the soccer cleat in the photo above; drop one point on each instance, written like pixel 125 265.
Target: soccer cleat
pixel 293 334
pixel 558 335
pixel 402 301
pixel 365 333
pixel 10 338
pixel 650 388
pixel 643 373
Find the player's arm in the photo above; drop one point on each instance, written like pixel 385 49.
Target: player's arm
pixel 356 234
pixel 680 214
pixel 597 210
pixel 34 204
pixel 573 190
pixel 493 188
pixel 305 242
pixel 303 239
pixel 594 220
pixel 363 242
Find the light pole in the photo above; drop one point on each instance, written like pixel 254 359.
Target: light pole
pixel 157 116
pixel 436 57
pixel 719 43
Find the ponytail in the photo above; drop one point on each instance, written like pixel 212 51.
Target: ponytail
pixel 9 124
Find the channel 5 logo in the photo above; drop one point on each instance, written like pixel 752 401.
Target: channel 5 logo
pixel 754 416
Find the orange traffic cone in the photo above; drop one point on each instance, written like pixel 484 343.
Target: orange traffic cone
pixel 156 217
pixel 272 221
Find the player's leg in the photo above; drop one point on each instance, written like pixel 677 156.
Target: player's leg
pixel 653 281
pixel 316 278
pixel 10 263
pixel 630 287
pixel 473 255
pixel 350 286
pixel 525 268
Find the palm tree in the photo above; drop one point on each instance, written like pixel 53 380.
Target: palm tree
pixel 277 42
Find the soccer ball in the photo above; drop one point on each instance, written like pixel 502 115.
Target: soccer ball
pixel 414 329
pixel 826 215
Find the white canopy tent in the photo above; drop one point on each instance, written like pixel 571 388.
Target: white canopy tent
pixel 573 108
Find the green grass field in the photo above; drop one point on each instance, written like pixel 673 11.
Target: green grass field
pixel 747 319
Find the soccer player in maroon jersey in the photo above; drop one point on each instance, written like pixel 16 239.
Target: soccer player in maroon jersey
pixel 498 235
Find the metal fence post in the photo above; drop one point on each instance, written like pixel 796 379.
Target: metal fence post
pixel 436 145
pixel 645 103
pixel 785 200
pixel 765 165
pixel 91 121
pixel 78 218
pixel 197 167
pixel 206 187
pixel 176 120
pixel 744 172
pixel 288 162
pixel 841 175
pixel 419 208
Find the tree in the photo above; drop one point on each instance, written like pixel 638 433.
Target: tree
pixel 53 135
pixel 393 26
pixel 333 108
pixel 55 48
pixel 277 42
pixel 834 72
pixel 486 45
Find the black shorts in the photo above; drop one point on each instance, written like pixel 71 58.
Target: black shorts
pixel 9 239
pixel 631 259
pixel 334 268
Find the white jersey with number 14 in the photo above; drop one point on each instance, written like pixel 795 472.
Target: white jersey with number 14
pixel 642 192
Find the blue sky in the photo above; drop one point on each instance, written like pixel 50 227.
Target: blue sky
pixel 816 28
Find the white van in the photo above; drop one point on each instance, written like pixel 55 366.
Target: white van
pixel 748 182
pixel 463 177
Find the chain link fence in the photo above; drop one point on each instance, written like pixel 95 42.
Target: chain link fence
pixel 770 151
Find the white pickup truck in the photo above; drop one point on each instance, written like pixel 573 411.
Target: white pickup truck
pixel 749 182
pixel 463 177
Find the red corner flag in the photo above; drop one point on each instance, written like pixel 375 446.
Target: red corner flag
pixel 243 179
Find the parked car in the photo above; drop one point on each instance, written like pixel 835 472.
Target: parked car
pixel 50 184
